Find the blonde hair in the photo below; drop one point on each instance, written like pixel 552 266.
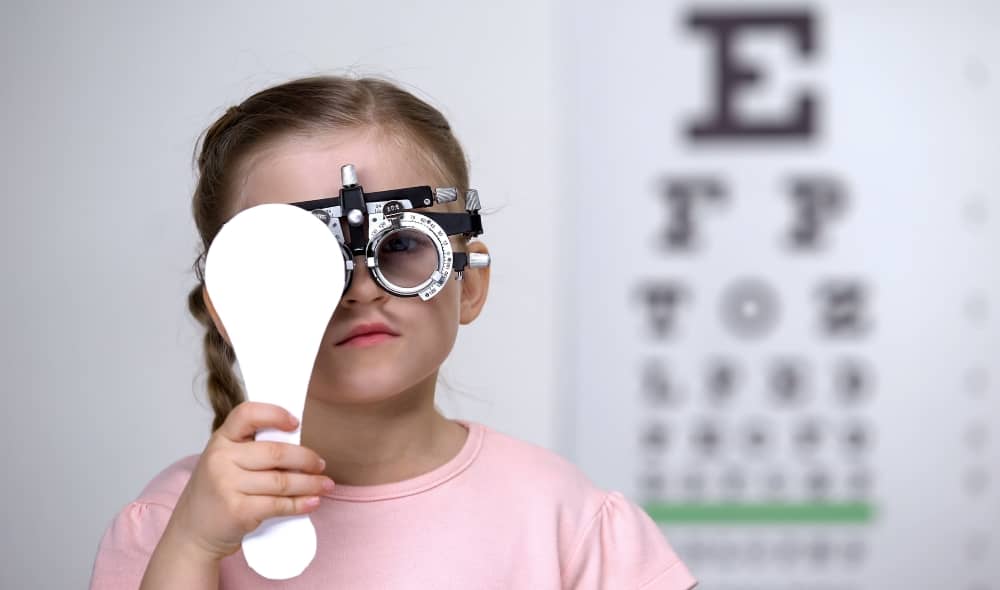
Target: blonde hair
pixel 299 107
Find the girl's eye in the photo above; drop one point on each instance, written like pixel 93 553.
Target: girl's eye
pixel 401 244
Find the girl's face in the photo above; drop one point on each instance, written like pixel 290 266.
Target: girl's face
pixel 375 368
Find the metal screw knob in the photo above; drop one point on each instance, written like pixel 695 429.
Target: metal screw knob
pixel 445 195
pixel 477 260
pixel 355 217
pixel 348 175
pixel 472 200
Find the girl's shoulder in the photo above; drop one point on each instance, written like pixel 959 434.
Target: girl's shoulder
pixel 530 457
pixel 167 485
pixel 551 474
pixel 605 540
pixel 134 532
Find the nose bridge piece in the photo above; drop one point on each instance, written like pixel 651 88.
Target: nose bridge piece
pixel 363 286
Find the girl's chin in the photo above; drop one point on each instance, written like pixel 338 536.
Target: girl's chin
pixel 371 380
pixel 360 390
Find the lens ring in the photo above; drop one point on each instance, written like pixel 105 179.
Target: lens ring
pixel 389 278
pixel 406 258
pixel 436 237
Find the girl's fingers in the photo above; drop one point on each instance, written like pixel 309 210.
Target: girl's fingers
pixel 247 418
pixel 265 507
pixel 269 455
pixel 284 483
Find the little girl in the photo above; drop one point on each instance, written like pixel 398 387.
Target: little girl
pixel 400 496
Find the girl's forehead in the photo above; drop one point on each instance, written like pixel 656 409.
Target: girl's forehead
pixel 302 168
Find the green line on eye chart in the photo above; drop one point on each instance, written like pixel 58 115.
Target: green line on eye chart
pixel 762 513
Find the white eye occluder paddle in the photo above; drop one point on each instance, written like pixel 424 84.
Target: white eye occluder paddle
pixel 274 275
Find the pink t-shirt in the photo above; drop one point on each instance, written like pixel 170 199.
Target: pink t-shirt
pixel 502 513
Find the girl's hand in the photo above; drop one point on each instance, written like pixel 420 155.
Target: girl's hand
pixel 238 482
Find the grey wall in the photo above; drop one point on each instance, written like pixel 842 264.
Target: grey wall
pixel 102 104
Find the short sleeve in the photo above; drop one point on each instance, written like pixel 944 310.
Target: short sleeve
pixel 621 547
pixel 127 545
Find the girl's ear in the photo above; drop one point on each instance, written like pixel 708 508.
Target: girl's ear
pixel 215 316
pixel 475 286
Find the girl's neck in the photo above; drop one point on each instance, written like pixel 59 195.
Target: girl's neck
pixel 390 441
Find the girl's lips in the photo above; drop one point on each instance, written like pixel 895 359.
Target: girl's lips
pixel 367 334
pixel 365 340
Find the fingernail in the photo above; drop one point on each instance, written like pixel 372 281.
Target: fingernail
pixel 312 502
pixel 322 464
pixel 328 485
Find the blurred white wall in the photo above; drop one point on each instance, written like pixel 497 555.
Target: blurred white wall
pixel 102 104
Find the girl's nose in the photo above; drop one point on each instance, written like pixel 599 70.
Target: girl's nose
pixel 363 287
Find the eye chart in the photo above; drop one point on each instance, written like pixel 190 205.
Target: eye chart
pixel 790 356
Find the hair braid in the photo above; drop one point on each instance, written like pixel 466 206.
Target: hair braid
pixel 225 391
